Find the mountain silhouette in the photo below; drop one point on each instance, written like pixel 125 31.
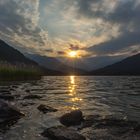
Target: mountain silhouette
pixel 128 66
pixel 56 65
pixel 13 56
pixel 83 63
pixel 10 55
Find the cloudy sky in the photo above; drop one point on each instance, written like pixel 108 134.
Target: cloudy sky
pixel 53 27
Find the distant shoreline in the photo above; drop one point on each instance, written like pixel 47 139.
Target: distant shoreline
pixel 26 78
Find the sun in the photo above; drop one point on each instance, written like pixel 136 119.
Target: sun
pixel 73 54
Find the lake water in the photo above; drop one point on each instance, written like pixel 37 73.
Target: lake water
pixel 116 96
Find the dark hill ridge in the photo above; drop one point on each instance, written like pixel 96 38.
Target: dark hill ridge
pixel 9 55
pixel 13 56
pixel 128 66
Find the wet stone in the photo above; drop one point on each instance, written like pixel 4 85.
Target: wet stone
pixel 135 105
pixel 8 112
pixel 46 109
pixel 4 90
pixel 62 133
pixel 7 97
pixel 27 103
pixel 109 128
pixel 90 120
pixel 73 118
pixel 27 90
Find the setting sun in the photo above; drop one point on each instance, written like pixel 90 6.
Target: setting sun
pixel 73 54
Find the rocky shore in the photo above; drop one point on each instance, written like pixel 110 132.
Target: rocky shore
pixel 73 125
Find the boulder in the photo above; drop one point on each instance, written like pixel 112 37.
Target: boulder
pixel 7 97
pixel 73 118
pixel 110 128
pixel 90 120
pixel 46 109
pixel 8 112
pixel 62 133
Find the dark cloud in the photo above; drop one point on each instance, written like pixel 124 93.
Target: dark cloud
pixel 18 22
pixel 125 14
pixel 61 52
pixel 49 50
pixel 120 43
pixel 74 47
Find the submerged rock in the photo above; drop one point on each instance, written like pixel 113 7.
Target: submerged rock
pixel 46 109
pixel 62 133
pixel 8 112
pixel 27 90
pixel 32 97
pixel 90 120
pixel 97 127
pixel 7 97
pixel 27 103
pixel 135 105
pixel 73 118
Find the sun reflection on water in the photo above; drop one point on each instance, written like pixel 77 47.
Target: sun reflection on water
pixel 75 100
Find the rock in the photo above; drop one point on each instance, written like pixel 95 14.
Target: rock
pixel 135 105
pixel 97 127
pixel 32 97
pixel 14 86
pixel 73 118
pixel 62 133
pixel 4 90
pixel 27 90
pixel 116 122
pixel 8 112
pixel 7 97
pixel 27 104
pixel 90 120
pixel 5 93
pixel 12 89
pixel 46 109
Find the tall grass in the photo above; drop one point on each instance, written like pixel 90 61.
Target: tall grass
pixel 9 71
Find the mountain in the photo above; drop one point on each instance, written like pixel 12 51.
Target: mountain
pixel 55 64
pixel 83 64
pixel 91 63
pixel 13 56
pixel 128 66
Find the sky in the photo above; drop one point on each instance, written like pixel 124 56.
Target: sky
pixel 54 27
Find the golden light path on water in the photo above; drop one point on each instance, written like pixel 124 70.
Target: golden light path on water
pixel 72 92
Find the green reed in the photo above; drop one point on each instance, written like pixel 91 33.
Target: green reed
pixel 20 70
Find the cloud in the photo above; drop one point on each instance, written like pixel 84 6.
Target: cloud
pixel 100 27
pixel 74 47
pixel 117 44
pixel 124 14
pixel 61 53
pixel 19 24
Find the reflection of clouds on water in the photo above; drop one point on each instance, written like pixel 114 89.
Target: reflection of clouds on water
pixel 75 100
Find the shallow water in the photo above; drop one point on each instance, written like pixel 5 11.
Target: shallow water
pixel 116 96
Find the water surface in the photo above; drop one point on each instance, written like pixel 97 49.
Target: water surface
pixel 116 96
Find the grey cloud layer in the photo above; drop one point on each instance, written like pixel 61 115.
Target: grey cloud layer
pixel 24 23
pixel 19 23
pixel 125 14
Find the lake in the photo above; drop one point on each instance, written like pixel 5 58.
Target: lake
pixel 103 95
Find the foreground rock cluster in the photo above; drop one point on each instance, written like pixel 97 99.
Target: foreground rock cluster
pixel 8 114
pixel 45 109
pixel 93 127
pixel 62 133
pixel 72 118
pixel 73 125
